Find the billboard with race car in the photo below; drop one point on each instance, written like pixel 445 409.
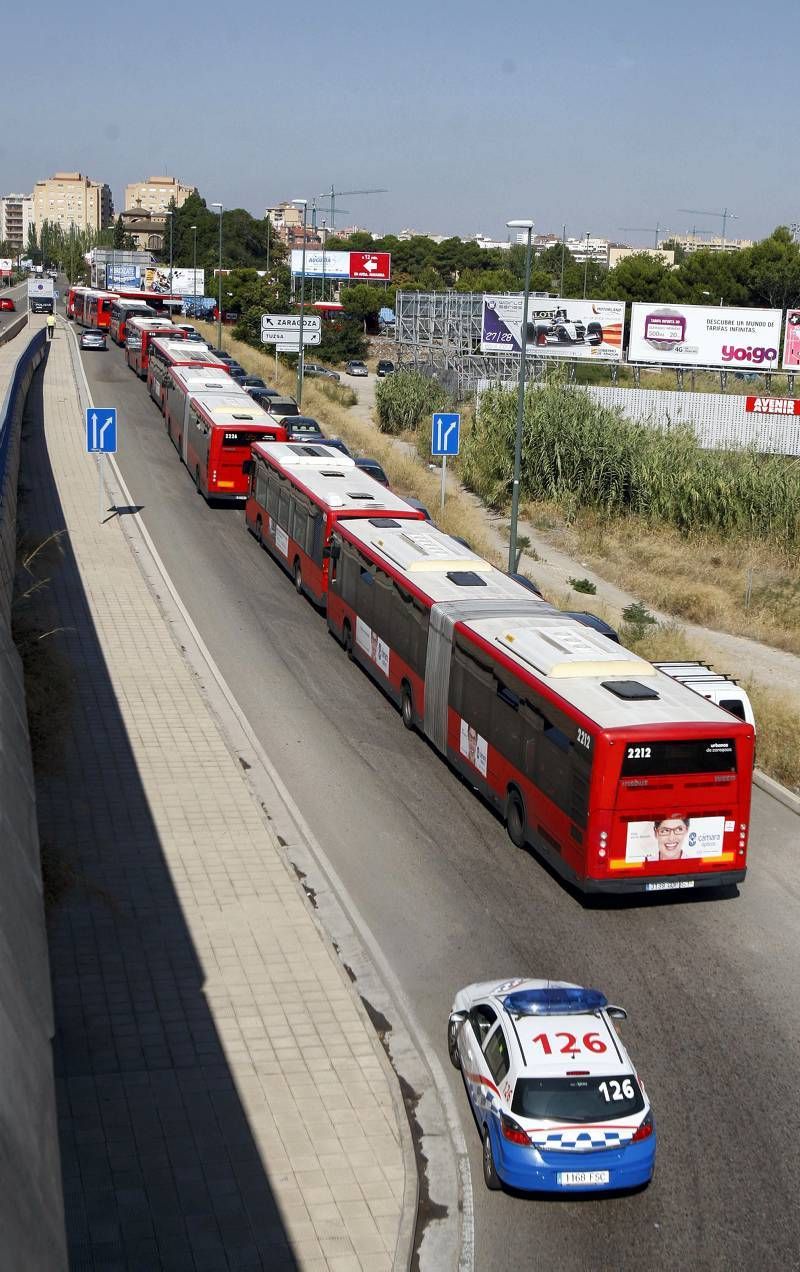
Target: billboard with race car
pixel 705 336
pixel 587 329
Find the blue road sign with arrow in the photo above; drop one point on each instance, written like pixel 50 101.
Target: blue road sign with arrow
pixel 446 434
pixel 101 430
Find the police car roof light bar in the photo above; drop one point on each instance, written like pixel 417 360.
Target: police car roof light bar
pixel 554 1001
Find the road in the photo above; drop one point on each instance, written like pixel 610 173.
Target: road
pixel 18 294
pixel 711 986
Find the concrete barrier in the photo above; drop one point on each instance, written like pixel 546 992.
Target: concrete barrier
pixel 31 1200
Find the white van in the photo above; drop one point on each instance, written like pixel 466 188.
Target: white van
pixel 723 690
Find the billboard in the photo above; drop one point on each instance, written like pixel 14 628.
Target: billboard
pixel 157 279
pixel 343 265
pixel 39 286
pixel 123 276
pixel 6 265
pixel 587 329
pixel 705 336
pixel 791 340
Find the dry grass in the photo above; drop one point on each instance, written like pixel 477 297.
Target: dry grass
pixel 702 579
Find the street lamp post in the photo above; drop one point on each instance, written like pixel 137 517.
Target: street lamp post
pixel 193 228
pixel 170 214
pixel 512 542
pixel 219 280
pixel 304 204
pixel 563 250
pixel 586 265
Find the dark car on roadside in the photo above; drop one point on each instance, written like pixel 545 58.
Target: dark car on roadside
pixel 336 443
pixel 420 507
pixel 384 367
pixel 592 620
pixel 302 428
pixel 374 469
pixel 524 581
pixel 262 396
pixel 280 406
pixel 93 338
pixel 253 382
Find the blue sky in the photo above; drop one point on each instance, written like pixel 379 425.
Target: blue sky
pixel 598 115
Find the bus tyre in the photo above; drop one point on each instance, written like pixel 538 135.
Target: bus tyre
pixel 490 1175
pixel 347 638
pixel 515 818
pixel 407 710
pixel 297 574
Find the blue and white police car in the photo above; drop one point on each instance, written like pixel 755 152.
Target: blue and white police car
pixel 557 1100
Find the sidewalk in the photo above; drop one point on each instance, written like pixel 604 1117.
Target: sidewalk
pixel 223 1101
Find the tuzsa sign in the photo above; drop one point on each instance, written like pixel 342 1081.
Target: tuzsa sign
pixel 772 406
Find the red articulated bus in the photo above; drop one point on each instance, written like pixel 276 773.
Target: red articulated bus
pixel 138 334
pixel 76 301
pixel 121 311
pixel 166 353
pixel 157 301
pixel 298 492
pixel 620 777
pixel 216 437
pixel 97 310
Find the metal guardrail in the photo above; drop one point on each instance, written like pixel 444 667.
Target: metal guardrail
pixel 10 426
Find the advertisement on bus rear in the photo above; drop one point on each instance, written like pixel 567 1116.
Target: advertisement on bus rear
pixel 706 336
pixel 674 837
pixel 589 330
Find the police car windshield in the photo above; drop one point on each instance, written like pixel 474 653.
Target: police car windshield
pixel 577 1099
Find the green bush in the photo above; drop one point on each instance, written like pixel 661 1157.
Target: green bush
pixel 578 453
pixel 406 399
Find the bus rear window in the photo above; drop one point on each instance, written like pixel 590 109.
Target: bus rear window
pixel 701 755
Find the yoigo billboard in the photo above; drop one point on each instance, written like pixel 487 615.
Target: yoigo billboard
pixel 556 328
pixel 705 336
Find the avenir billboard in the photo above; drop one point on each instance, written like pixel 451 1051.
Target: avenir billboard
pixel 705 336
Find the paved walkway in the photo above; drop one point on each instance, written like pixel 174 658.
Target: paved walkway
pixel 223 1102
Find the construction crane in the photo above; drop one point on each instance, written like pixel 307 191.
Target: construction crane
pixel 725 214
pixel 333 195
pixel 655 230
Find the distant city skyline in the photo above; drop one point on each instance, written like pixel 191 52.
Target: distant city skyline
pixel 469 116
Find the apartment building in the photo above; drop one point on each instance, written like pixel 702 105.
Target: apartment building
pixel 71 199
pixel 16 214
pixel 155 194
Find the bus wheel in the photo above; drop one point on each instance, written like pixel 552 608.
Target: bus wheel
pixel 297 575
pixel 347 638
pixel 515 818
pixel 407 705
pixel 260 532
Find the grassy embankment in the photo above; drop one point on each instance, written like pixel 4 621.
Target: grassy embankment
pixel 689 573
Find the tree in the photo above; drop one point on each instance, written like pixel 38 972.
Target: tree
pixel 488 280
pixel 641 277
pixel 32 246
pixel 711 278
pixel 672 245
pixel 771 270
pixel 119 233
pixel 364 301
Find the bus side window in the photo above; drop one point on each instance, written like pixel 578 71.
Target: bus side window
pixel 283 509
pixel 260 482
pixel 272 494
pixel 316 525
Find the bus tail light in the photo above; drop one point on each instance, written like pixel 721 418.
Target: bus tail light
pixel 513 1131
pixel 645 1130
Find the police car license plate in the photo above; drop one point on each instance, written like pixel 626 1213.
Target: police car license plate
pixel 669 884
pixel 573 1178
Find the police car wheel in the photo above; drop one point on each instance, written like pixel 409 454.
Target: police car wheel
pixel 452 1048
pixel 490 1175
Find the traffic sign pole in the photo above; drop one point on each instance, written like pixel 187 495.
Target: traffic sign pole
pixel 444 480
pixel 101 474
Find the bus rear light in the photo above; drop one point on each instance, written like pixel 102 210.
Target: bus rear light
pixel 513 1131
pixel 602 854
pixel 645 1130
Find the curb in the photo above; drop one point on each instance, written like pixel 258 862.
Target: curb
pixel 405 1247
pixel 767 784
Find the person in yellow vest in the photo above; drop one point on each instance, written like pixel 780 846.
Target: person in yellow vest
pixel 51 326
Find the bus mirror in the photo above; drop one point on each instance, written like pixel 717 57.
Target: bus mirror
pixel 332 551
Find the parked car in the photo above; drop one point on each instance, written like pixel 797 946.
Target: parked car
pixel 253 382
pixel 591 620
pixel 524 581
pixel 302 428
pixel 415 503
pixel 261 395
pixel 385 367
pixel 354 367
pixel 6 302
pixel 374 469
pixel 337 444
pixel 93 338
pixel 316 368
pixel 280 406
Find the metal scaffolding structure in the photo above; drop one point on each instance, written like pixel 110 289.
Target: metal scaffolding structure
pixel 440 332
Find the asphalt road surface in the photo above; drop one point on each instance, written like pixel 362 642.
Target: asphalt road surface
pixel 711 986
pixel 19 296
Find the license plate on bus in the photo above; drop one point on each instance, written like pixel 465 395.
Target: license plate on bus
pixel 580 1178
pixel 668 885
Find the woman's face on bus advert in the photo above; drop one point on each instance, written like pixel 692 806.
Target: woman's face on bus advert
pixel 671 835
